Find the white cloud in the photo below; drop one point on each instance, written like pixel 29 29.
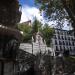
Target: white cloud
pixel 28 13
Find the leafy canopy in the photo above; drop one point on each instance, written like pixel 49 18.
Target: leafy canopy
pixel 47 32
pixel 53 10
pixel 35 27
pixel 27 32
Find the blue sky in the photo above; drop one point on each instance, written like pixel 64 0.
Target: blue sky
pixel 27 2
pixel 29 11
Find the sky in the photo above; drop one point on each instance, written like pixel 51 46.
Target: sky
pixel 30 11
pixel 27 2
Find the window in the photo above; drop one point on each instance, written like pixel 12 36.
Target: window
pixel 72 39
pixel 62 32
pixel 68 38
pixel 63 43
pixel 70 48
pixel 60 48
pixel 56 42
pixel 65 38
pixel 57 48
pixel 66 43
pixel 58 37
pixel 62 38
pixel 73 43
pixel 65 33
pixel 69 43
pixel 64 48
pixel 60 43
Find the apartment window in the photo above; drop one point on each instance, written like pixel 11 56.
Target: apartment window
pixel 65 38
pixel 62 38
pixel 60 43
pixel 69 43
pixel 56 42
pixel 68 38
pixel 60 48
pixel 66 43
pixel 63 43
pixel 64 48
pixel 72 39
pixel 65 33
pixel 73 43
pixel 58 37
pixel 70 48
pixel 62 32
pixel 57 48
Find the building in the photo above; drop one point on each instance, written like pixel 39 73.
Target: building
pixel 26 23
pixel 36 46
pixel 63 40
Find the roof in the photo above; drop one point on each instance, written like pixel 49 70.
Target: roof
pixel 27 22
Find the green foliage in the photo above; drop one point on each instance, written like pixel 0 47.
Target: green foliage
pixel 27 34
pixel 29 31
pixel 53 10
pixel 69 5
pixel 47 33
pixel 35 27
pixel 50 7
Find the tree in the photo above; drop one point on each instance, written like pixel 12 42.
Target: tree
pixel 47 32
pixel 54 10
pixel 36 26
pixel 9 12
pixel 69 5
pixel 27 32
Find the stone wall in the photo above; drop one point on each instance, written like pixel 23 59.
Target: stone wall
pixel 36 48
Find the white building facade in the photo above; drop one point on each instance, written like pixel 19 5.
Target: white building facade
pixel 63 40
pixel 36 47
